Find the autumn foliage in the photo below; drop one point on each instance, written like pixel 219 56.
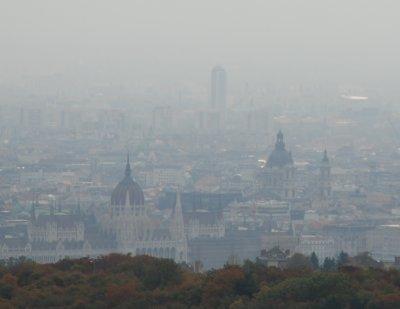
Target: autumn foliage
pixel 123 281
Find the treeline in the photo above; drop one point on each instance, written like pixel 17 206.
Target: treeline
pixel 364 259
pixel 123 281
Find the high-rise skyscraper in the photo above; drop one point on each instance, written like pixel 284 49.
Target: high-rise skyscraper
pixel 325 177
pixel 218 88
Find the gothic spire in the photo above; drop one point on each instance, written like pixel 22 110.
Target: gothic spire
pixel 325 158
pixel 280 144
pixel 78 207
pixel 178 224
pixel 128 167
pixel 33 213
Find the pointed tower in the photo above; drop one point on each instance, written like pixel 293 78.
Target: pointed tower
pixel 325 177
pixel 280 144
pixel 78 210
pixel 128 170
pixel 33 213
pixel 178 227
pixel 127 186
pixel 178 231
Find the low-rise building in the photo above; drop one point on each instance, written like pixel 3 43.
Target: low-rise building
pixel 383 242
pixel 274 257
pixel 322 246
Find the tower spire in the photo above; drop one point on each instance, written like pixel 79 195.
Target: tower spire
pixel 33 213
pixel 325 158
pixel 128 166
pixel 280 144
pixel 178 229
pixel 178 224
pixel 325 177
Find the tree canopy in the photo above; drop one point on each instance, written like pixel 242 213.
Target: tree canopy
pixel 123 281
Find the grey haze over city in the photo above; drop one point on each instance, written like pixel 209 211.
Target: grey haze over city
pixel 177 41
pixel 207 132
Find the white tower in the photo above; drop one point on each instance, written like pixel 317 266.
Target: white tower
pixel 218 88
pixel 325 177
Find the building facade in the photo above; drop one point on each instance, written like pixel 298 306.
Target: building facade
pixel 218 88
pixel 137 230
pixel 324 187
pixel 129 226
pixel 277 175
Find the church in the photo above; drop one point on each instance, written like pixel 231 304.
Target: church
pixel 276 178
pixel 129 226
pixel 135 227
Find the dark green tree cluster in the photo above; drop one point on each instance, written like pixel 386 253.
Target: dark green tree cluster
pixel 123 281
pixel 364 259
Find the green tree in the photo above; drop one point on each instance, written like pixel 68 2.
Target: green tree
pixel 343 259
pixel 320 290
pixel 314 261
pixel 364 259
pixel 329 264
pixel 298 261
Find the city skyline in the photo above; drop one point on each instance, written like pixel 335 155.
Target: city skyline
pixel 199 154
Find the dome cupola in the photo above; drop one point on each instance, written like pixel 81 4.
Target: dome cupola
pixel 279 157
pixel 127 190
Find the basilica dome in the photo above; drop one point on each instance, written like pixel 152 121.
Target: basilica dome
pixel 127 188
pixel 279 157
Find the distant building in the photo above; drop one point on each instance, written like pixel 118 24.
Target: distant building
pixel 135 227
pixel 383 242
pixel 323 246
pixel 204 223
pixel 193 201
pixel 50 237
pixel 283 240
pixel 277 176
pixel 130 226
pixel 54 228
pixel 218 88
pixel 162 120
pixel 322 194
pixel 270 214
pixel 35 118
pixel 239 242
pixel 208 121
pixel 162 175
pixel 351 239
pixel 274 257
pixel 325 178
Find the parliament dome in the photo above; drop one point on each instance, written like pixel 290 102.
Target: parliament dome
pixel 127 188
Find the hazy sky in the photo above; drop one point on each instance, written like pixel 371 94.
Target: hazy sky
pixel 256 40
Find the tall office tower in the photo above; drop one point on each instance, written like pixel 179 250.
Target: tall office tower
pixel 325 177
pixel 218 88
